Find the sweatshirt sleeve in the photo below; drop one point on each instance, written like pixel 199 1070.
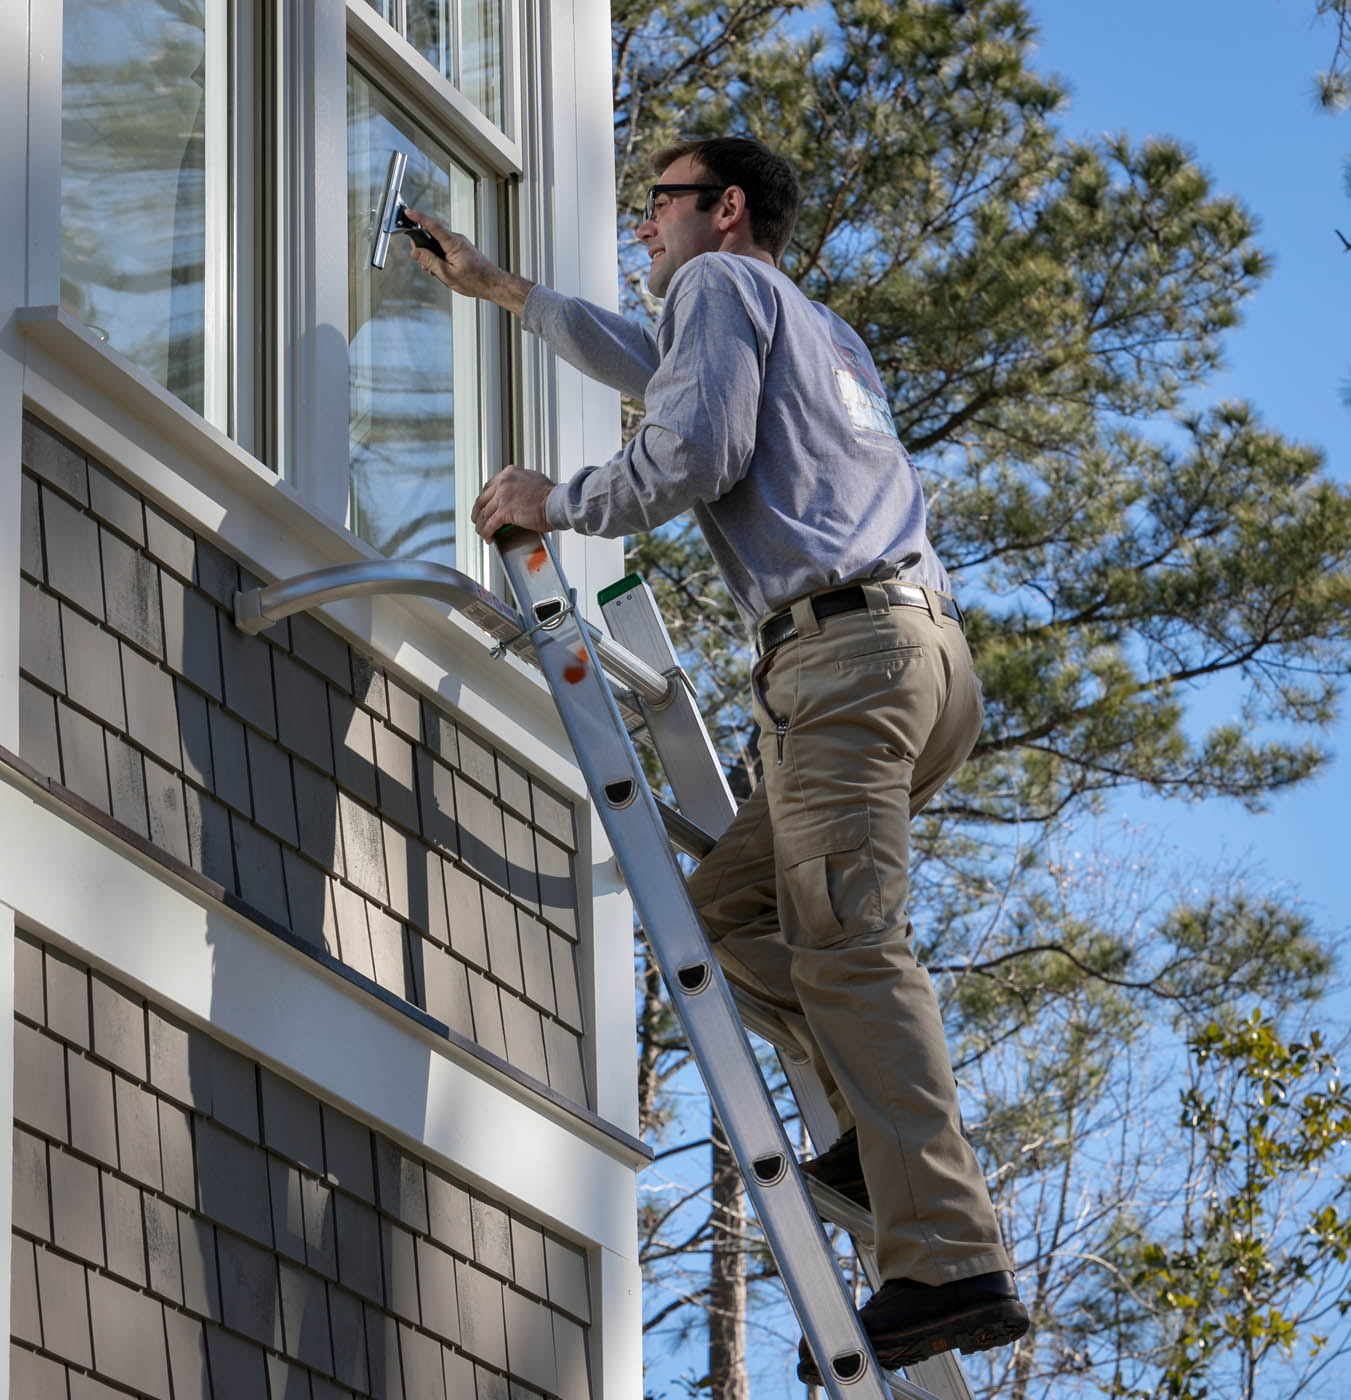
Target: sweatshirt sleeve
pixel 698 431
pixel 602 344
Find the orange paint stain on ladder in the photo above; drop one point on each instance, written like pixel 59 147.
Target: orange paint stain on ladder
pixel 573 674
pixel 538 559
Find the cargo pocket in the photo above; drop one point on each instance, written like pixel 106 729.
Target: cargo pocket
pixel 831 877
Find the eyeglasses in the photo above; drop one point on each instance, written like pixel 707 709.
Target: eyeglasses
pixel 655 192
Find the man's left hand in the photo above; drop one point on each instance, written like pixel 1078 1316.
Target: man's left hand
pixel 515 496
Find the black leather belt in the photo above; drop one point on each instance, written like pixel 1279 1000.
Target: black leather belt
pixel 780 628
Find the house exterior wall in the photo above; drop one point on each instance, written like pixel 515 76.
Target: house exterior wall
pixel 317 969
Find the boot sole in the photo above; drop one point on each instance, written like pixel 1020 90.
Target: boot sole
pixel 996 1325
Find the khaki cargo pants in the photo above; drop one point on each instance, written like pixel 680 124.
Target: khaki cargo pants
pixel 804 899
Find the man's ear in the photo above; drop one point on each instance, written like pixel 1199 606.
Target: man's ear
pixel 732 211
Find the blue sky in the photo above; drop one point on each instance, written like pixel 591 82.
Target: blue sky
pixel 1233 81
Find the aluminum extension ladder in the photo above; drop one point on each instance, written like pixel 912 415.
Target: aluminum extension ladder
pixel 656 697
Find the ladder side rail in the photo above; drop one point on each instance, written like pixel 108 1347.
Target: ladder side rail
pixel 699 993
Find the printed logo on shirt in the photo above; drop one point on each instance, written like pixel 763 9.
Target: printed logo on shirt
pixel 862 393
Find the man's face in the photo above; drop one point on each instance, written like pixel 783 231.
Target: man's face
pixel 679 230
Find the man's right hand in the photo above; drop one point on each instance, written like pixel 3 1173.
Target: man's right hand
pixel 466 270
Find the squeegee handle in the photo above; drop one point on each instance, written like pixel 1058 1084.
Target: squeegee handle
pixel 418 234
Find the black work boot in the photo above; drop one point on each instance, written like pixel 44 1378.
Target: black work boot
pixel 839 1168
pixel 908 1322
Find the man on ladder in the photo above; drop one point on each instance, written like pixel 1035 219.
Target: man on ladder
pixel 765 415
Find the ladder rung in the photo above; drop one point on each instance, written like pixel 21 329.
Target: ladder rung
pixel 840 1210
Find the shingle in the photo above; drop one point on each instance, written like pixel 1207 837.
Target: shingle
pixel 557 887
pixel 30 997
pixel 489 1385
pixel 363 847
pixel 448 1214
pixel 77 1223
pixel 387 950
pixel 54 459
pixel 262 880
pixel 323 649
pixel 446 989
pixel 287 1381
pixel 30 528
pixel 530 1342
pixel 563 1054
pixel 459 1374
pixel 38 741
pixel 567 994
pixel 398 1254
pixel 152 710
pixel 93 681
pixel 436 1284
pixel 160 1218
pixel 306 896
pixel 274 805
pixel 288 1220
pixel 402 1184
pixel 93 1122
pixel 234 1089
pixel 232 1182
pixel 522 872
pixel 482 843
pixel 35 1377
pixel 358 1247
pixel 368 685
pixel 397 862
pixel 201 1274
pixel 574 1382
pixel 349 1339
pixel 482 1329
pixel 477 760
pixel 394 777
pixel 194 729
pixel 432 888
pixel 71 541
pixel 535 964
pixel 347 1153
pixel 568 1289
pixel 131 594
pixel 176 1158
pixel 126 785
pixel 169 542
pixel 382 1349
pixel 405 710
pixel 31 1202
pixel 237 1366
pixel 123 1234
pixel 439 733
pixel 191 644
pixel 129 1337
pixel 67 998
pixel 246 665
pixel 249 1295
pixel 514 786
pixel 165 806
pixel 321 1251
pixel 25 1319
pixel 138 1133
pixel 209 837
pixel 217 573
pixel 291 1125
pixel 317 817
pixel 64 1307
pixel 39 1082
pixel 464 913
pixel 173 1058
pixel 492 1236
pixel 353 746
pixel 504 951
pixel 302 712
pixel 349 909
pixel 188 1369
pixel 422 1371
pixel 40 636
pixel 483 998
pixel 527 1258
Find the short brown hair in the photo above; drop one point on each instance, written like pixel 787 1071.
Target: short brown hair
pixel 768 181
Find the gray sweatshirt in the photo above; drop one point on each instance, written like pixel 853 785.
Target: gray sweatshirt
pixel 765 416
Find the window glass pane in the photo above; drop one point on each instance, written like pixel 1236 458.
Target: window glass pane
pixel 413 352
pixel 481 62
pixel 143 102
pixel 431 31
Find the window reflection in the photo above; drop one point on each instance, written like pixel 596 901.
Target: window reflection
pixel 409 350
pixel 138 86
